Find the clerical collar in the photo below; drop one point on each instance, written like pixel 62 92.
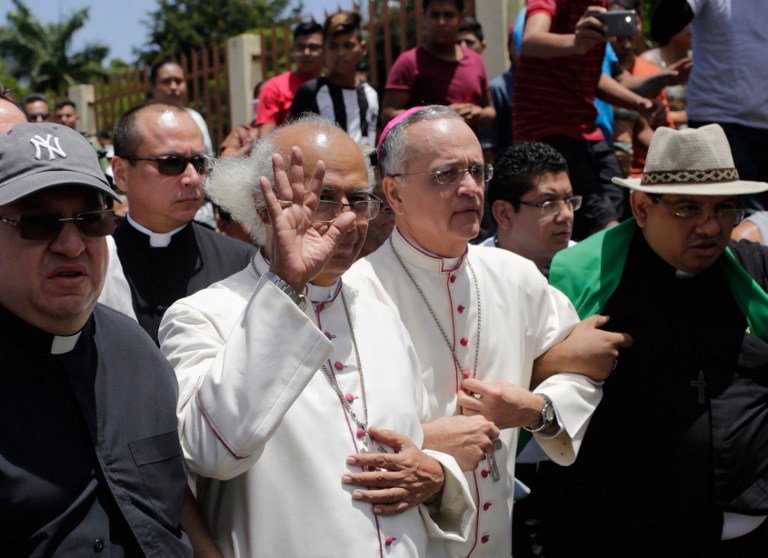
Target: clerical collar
pixel 315 293
pixel 156 240
pixel 18 332
pixel 420 257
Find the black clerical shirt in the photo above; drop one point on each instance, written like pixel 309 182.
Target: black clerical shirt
pixel 681 434
pixel 89 455
pixel 159 276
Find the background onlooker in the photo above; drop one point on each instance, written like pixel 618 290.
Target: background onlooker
pixel 37 107
pixel 278 92
pixel 728 83
pixel 471 35
pixel 341 95
pixel 440 71
pixel 169 86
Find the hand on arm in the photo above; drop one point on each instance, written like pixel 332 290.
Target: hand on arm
pixel 465 438
pixel 299 252
pixel 588 350
pixel 503 403
pixel 540 42
pixel 402 480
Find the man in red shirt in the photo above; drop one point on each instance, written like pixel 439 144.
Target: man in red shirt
pixel 277 93
pixel 558 77
pixel 440 71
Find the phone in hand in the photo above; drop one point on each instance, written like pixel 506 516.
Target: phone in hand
pixel 620 23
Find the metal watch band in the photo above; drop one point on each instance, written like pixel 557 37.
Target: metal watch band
pixel 283 285
pixel 547 416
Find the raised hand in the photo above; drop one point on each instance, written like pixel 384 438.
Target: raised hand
pixel 465 438
pixel 299 252
pixel 400 481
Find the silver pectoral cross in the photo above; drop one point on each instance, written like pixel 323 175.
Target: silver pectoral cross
pixel 491 458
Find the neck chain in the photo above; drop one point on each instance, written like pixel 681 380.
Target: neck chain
pixel 434 316
pixel 362 425
pixel 346 400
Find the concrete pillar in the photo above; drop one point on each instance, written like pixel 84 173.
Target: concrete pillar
pixel 244 70
pixel 84 97
pixel 496 16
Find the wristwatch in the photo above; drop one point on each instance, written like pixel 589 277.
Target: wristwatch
pixel 283 285
pixel 547 416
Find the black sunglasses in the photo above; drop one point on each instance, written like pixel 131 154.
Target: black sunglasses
pixel 174 165
pixel 92 224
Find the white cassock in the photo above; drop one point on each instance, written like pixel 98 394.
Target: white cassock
pixel 520 318
pixel 267 435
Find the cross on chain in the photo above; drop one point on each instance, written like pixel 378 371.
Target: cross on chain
pixel 491 458
pixel 701 384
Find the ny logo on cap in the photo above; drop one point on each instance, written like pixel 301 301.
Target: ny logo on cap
pixel 41 143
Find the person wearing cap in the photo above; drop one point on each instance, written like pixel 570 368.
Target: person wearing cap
pixel 675 460
pixel 76 477
pixel 160 164
pixel 478 318
pixel 288 377
pixel 341 95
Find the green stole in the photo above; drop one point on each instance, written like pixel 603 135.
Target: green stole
pixel 589 273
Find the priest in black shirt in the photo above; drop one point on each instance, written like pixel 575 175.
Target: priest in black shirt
pixel 90 460
pixel 160 163
pixel 675 461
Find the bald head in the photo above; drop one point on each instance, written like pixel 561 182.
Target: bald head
pixel 233 183
pixel 318 140
pixel 10 115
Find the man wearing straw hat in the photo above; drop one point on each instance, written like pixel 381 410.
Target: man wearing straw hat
pixel 675 462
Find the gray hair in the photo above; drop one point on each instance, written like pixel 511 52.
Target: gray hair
pixel 233 183
pixel 395 149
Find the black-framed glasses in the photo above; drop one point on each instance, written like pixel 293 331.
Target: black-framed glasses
pixel 364 210
pixel 553 207
pixel 451 174
pixel 727 216
pixel 174 165
pixel 92 224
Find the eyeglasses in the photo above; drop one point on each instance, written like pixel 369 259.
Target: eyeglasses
pixel 174 165
pixel 553 207
pixel 727 217
pixel 92 224
pixel 312 47
pixel 453 174
pixel 364 210
pixel 38 116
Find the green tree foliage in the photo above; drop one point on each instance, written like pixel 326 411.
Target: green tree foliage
pixel 180 26
pixel 40 55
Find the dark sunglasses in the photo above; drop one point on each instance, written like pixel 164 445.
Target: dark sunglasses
pixel 174 165
pixel 35 116
pixel 92 224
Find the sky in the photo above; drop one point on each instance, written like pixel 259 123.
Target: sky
pixel 118 23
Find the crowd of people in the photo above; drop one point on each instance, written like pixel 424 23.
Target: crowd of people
pixel 380 320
